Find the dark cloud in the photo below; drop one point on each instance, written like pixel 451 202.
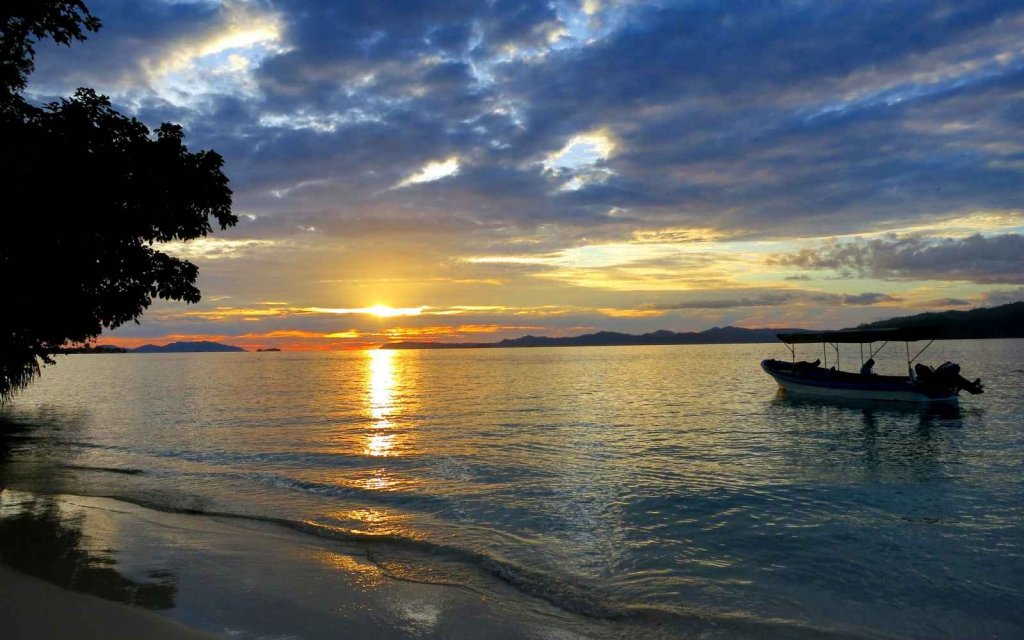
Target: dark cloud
pixel 950 302
pixel 1004 296
pixel 864 299
pixel 981 259
pixel 782 298
pixel 766 119
pixel 136 34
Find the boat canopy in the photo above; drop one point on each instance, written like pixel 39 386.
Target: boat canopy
pixel 864 336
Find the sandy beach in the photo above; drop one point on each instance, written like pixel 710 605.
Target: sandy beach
pixel 33 608
pixel 203 576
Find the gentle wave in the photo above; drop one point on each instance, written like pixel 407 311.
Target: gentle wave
pixel 225 457
pixel 570 596
pixel 562 593
pixel 121 470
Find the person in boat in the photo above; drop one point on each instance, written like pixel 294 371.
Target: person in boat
pixel 866 369
pixel 803 365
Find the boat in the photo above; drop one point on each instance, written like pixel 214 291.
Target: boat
pixel 921 384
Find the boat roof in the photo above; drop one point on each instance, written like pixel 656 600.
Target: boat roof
pixel 864 336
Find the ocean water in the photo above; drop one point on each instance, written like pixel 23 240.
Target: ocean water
pixel 653 487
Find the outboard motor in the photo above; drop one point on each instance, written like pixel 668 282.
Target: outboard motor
pixel 947 376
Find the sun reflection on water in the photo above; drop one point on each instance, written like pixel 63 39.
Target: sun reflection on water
pixel 379 481
pixel 383 435
pixel 366 521
pixel 381 446
pixel 367 576
pixel 381 443
pixel 382 386
pixel 386 403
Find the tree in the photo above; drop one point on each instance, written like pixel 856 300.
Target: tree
pixel 86 193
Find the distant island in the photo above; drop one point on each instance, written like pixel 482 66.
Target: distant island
pixel 717 335
pixel 186 347
pixel 88 348
pixel 1004 321
pixel 173 347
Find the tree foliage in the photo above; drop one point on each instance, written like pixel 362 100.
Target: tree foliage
pixel 87 193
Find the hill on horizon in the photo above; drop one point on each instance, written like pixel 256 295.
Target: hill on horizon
pixel 201 346
pixel 1004 321
pixel 715 335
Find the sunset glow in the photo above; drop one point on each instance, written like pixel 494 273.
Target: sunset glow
pixel 560 319
pixel 553 178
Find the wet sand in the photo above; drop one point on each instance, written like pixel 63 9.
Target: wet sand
pixel 75 564
pixel 32 608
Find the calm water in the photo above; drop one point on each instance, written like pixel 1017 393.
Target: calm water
pixel 630 484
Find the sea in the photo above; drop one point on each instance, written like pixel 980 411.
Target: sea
pixel 661 491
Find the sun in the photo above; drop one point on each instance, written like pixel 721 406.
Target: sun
pixel 384 311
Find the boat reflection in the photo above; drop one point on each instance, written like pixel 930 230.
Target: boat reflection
pixel 886 438
pixel 944 413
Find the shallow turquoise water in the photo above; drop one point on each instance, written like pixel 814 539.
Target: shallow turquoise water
pixel 631 483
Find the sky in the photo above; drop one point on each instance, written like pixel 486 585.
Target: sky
pixel 471 171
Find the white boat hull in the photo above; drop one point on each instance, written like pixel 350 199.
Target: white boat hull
pixel 859 394
pixel 847 391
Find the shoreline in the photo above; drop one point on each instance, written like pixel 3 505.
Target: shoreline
pixel 116 569
pixel 249 579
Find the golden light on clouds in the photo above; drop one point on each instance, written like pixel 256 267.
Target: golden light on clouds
pixel 242 26
pixel 644 264
pixel 215 248
pixel 380 310
pixel 631 313
pixel 494 328
pixel 351 333
pixel 677 234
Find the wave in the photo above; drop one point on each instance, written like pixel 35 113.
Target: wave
pixel 224 457
pixel 403 499
pixel 122 470
pixel 398 556
pixel 394 554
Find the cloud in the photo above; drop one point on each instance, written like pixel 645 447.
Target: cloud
pixel 781 298
pixel 590 156
pixel 142 43
pixel 355 99
pixel 997 259
pixel 868 299
pixel 1004 296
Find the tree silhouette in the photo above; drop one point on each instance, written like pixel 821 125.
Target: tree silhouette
pixel 86 192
